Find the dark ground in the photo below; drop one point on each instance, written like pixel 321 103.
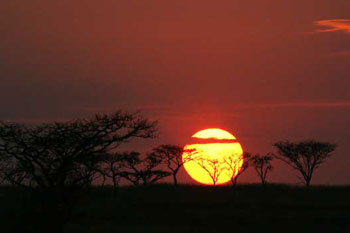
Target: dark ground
pixel 165 208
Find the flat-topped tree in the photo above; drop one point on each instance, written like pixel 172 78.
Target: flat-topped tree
pixel 305 156
pixel 54 155
pixel 262 165
pixel 111 167
pixel 62 158
pixel 139 170
pixel 171 155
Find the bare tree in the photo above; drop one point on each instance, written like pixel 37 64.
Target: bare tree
pixel 171 155
pixel 233 165
pixel 62 158
pixel 212 166
pixel 111 167
pixel 262 165
pixel 305 156
pixel 141 171
pixel 65 153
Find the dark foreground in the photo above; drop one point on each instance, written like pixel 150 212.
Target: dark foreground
pixel 164 208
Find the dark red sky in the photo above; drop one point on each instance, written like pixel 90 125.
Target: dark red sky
pixel 261 69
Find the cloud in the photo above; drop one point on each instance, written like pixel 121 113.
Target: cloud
pixel 344 53
pixel 333 25
pixel 34 121
pixel 162 112
pixel 335 104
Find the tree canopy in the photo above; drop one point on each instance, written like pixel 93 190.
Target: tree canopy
pixel 305 156
pixel 61 154
pixel 262 165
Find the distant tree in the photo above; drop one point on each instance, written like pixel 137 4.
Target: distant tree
pixel 111 167
pixel 212 166
pixel 232 166
pixel 61 158
pixel 262 165
pixel 141 171
pixel 305 156
pixel 171 155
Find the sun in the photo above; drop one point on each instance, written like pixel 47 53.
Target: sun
pixel 214 157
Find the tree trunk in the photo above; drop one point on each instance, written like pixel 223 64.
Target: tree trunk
pixel 103 181
pixel 234 181
pixel 175 179
pixel 114 182
pixel 115 186
pixel 307 182
pixel 263 182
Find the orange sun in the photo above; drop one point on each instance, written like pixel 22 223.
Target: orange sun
pixel 214 157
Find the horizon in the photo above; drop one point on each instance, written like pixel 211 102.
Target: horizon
pixel 263 70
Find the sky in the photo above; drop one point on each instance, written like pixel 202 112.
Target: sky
pixel 263 70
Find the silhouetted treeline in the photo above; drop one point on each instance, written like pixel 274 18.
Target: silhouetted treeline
pixel 61 160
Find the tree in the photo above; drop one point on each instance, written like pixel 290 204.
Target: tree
pixel 171 155
pixel 59 154
pixel 305 156
pixel 111 167
pixel 141 171
pixel 262 165
pixel 233 166
pixel 60 159
pixel 212 166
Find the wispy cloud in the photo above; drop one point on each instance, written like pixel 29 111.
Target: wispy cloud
pixel 334 104
pixel 345 53
pixel 232 111
pixel 332 25
pixel 162 111
pixel 132 108
pixel 35 120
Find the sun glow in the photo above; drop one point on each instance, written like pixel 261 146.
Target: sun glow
pixel 214 157
pixel 213 133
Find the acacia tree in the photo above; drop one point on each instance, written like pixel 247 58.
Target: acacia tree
pixel 171 155
pixel 305 156
pixel 233 165
pixel 61 158
pixel 212 166
pixel 111 167
pixel 141 171
pixel 262 165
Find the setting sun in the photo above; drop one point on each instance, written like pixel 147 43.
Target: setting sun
pixel 215 157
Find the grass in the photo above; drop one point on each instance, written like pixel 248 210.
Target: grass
pixel 166 208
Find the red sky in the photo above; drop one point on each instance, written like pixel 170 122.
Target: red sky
pixel 263 70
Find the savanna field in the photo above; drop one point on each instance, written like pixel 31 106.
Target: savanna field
pixel 174 116
pixel 166 208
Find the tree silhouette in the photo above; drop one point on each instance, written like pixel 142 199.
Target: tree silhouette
pixel 171 155
pixel 111 167
pixel 305 156
pixel 60 159
pixel 262 165
pixel 64 153
pixel 232 166
pixel 212 166
pixel 141 171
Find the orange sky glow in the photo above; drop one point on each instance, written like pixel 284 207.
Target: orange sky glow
pixel 271 70
pixel 334 25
